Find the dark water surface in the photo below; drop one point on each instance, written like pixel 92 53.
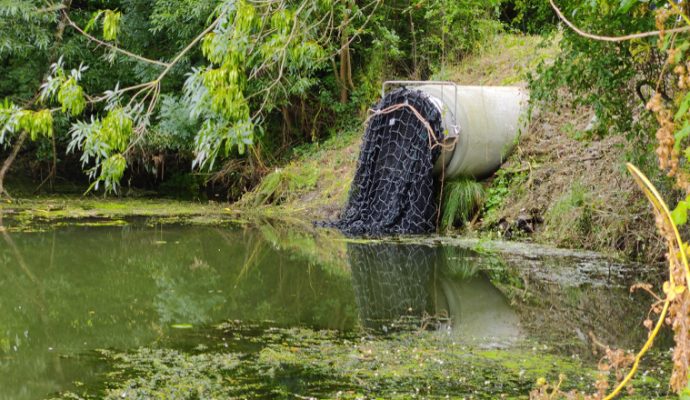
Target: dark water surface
pixel 69 291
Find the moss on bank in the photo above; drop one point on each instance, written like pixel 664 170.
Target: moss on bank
pixel 28 214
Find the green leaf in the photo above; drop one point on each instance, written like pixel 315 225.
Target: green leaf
pixel 666 43
pixel 680 214
pixel 683 108
pixel 681 48
pixel 626 5
pixel 111 24
pixel 680 135
pixel 685 393
pixel 71 97
pixel 116 129
pixel 92 21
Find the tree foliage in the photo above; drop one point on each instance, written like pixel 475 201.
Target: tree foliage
pixel 207 80
pixel 603 75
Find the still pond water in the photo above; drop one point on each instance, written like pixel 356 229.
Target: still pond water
pixel 69 294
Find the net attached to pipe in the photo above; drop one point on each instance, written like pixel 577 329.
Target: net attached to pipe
pixel 393 189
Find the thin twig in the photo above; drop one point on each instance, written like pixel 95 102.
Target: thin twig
pixel 433 140
pixel 189 47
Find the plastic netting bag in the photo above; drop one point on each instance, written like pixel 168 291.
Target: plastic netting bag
pixel 393 189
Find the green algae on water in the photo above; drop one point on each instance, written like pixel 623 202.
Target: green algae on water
pixel 301 362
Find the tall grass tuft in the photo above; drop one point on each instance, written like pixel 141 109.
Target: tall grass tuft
pixel 462 198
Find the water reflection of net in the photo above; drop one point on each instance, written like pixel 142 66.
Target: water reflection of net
pixel 391 282
pixel 393 188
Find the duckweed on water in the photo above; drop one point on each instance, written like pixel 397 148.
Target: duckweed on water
pixel 292 363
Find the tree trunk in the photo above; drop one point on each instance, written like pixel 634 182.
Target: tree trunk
pixel 415 60
pixel 288 128
pixel 344 60
pixel 9 160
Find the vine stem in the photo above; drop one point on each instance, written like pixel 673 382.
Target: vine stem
pixel 641 353
pixel 663 211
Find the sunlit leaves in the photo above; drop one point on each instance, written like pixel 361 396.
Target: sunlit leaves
pixel 680 135
pixel 37 123
pixel 266 43
pixel 71 97
pixel 65 88
pixel 282 22
pixel 116 129
pixel 13 119
pixel 215 139
pixel 111 23
pixel 217 93
pixel 112 170
pixel 672 291
pixel 680 214
pixel 302 56
pixel 84 138
pixel 683 107
pixel 103 143
pixel 626 5
pixel 9 120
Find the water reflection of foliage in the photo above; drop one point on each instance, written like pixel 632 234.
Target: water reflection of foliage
pixel 120 287
pixel 323 248
pixel 324 258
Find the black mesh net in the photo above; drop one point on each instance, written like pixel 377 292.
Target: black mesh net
pixel 393 189
pixel 392 283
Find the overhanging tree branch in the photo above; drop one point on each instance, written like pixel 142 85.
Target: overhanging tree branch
pixel 111 46
pixel 623 38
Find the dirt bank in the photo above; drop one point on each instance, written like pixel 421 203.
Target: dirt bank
pixel 572 193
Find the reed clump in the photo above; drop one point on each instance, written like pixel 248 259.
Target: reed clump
pixel 461 200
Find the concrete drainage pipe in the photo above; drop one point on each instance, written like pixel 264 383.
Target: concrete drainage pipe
pixel 485 122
